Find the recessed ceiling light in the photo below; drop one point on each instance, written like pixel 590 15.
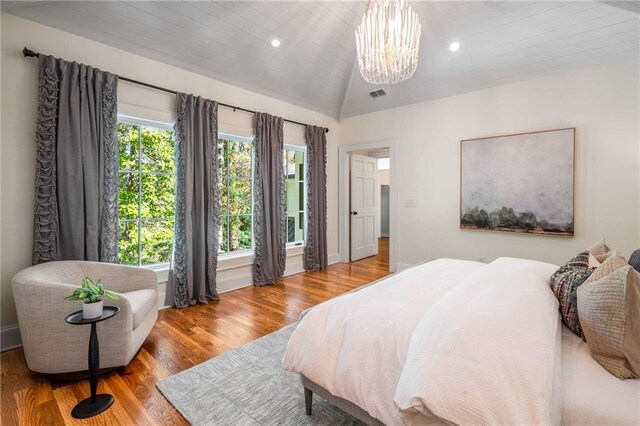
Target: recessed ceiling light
pixel 454 47
pixel 275 42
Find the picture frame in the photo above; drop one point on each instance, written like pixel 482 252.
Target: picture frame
pixel 519 183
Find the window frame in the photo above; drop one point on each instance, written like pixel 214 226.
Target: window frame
pixel 303 149
pixel 247 251
pixel 226 259
pixel 141 122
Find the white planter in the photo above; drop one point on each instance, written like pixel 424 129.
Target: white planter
pixel 92 310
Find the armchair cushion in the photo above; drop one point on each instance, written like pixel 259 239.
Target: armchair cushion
pixel 142 302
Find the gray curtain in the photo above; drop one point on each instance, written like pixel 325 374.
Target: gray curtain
pixel 269 199
pixel 76 194
pixel 192 278
pixel 315 250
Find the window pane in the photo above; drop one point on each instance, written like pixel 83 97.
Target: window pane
pixel 239 157
pixel 294 168
pixel 224 198
pixel 240 233
pixel 295 197
pixel 128 195
pixel 157 240
pixel 128 146
pixel 290 164
pixel 224 234
pixel 158 195
pixel 240 196
pixel 295 227
pixel 299 159
pixel 222 157
pixel 128 243
pixel 157 150
pixel 384 163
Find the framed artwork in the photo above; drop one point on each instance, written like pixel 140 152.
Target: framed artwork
pixel 519 183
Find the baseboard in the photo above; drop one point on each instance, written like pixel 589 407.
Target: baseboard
pixel 334 258
pixel 10 337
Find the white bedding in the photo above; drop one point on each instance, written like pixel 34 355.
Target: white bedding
pixel 356 346
pixel 592 396
pixel 488 353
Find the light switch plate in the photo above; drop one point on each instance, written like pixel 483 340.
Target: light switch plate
pixel 410 202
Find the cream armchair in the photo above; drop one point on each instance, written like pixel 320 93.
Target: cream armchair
pixel 52 346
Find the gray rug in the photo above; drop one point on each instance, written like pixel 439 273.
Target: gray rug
pixel 247 386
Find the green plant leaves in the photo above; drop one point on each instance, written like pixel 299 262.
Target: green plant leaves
pixel 91 292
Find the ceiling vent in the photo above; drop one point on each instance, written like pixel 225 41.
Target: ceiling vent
pixel 377 93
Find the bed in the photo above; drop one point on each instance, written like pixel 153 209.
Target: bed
pixel 456 342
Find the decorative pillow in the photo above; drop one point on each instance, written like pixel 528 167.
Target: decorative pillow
pixel 634 260
pixel 609 309
pixel 613 262
pixel 593 262
pixel 600 250
pixel 564 283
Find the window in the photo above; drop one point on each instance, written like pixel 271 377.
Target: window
pixel 146 192
pixel 294 166
pixel 384 163
pixel 236 201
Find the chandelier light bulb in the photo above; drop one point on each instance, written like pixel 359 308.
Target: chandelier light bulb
pixel 387 42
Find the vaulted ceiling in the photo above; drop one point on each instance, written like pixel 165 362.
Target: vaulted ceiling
pixel 315 65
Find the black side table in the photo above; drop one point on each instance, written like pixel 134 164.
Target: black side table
pixel 95 404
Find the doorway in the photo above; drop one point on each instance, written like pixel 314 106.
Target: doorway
pixel 367 219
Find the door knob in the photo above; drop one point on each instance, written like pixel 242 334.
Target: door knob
pixel 353 213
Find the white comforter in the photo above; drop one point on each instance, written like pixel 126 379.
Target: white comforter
pixel 492 345
pixel 355 346
pixel 488 353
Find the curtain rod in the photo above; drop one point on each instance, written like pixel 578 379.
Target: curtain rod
pixel 28 53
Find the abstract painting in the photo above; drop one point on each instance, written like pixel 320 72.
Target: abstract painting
pixel 519 183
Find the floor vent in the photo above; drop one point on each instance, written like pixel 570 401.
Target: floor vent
pixel 377 93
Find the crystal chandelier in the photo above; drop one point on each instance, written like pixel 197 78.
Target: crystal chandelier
pixel 387 41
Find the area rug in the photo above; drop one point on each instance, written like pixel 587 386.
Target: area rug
pixel 247 386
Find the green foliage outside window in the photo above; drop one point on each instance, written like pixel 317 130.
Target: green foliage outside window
pixel 146 194
pixel 235 195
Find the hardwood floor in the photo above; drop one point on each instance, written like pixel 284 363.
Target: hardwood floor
pixel 180 339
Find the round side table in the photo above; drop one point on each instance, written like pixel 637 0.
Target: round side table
pixel 95 404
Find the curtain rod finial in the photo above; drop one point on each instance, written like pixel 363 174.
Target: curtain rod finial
pixel 28 53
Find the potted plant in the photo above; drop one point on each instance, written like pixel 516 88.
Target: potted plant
pixel 92 294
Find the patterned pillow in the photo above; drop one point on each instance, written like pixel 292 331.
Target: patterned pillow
pixel 564 283
pixel 609 309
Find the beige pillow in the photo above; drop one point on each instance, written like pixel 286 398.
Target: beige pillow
pixel 614 261
pixel 600 250
pixel 593 262
pixel 609 312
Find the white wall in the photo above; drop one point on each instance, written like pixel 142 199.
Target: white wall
pixel 601 102
pixel 19 87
